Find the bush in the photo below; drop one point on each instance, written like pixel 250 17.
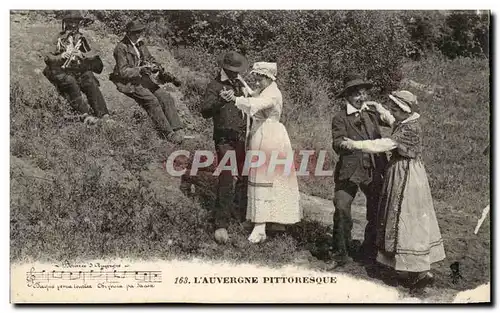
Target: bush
pixel 466 35
pixel 320 43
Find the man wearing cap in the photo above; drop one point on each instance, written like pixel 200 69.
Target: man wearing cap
pixel 131 75
pixel 71 67
pixel 229 135
pixel 356 170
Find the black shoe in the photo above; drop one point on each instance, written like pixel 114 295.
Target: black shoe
pixel 339 260
pixel 368 260
pixel 355 250
pixel 422 280
pixel 333 264
pixel 373 270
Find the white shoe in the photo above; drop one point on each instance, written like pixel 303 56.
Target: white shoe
pixel 257 238
pixel 258 234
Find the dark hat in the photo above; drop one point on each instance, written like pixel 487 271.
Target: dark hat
pixel 233 61
pixel 73 15
pixel 134 26
pixel 353 81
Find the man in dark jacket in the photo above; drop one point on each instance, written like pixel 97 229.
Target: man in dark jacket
pixel 356 170
pixel 229 135
pixel 71 65
pixel 132 76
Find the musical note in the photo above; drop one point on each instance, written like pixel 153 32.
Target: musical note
pixel 54 272
pixel 114 276
pixel 72 276
pixel 143 276
pixel 45 275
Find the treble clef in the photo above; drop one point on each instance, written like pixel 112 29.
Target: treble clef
pixel 30 276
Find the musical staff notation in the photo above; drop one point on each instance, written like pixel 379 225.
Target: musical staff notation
pixel 109 276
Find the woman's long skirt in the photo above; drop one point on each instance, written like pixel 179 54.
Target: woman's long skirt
pixel 273 193
pixel 408 233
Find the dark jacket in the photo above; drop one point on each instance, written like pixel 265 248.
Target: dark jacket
pixel 356 165
pixel 229 122
pixel 126 73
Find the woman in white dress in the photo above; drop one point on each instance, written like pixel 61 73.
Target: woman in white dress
pixel 273 195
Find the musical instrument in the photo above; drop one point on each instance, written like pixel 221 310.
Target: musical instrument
pixel 71 49
pixel 159 75
pixel 92 63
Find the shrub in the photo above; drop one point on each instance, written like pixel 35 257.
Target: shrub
pixel 466 34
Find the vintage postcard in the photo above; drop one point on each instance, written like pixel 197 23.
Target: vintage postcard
pixel 250 156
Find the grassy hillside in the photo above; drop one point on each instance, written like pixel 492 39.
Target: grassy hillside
pixel 101 191
pixel 84 192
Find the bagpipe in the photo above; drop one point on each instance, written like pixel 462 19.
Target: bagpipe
pixel 158 74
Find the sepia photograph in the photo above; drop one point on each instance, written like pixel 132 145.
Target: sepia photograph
pixel 250 156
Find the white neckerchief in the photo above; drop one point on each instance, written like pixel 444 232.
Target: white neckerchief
pixel 412 117
pixel 136 50
pixel 351 109
pixel 224 77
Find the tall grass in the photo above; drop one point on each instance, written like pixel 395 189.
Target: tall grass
pixel 92 187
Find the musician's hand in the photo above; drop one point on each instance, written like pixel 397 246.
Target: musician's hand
pixel 228 95
pixel 176 82
pixel 156 68
pixel 78 54
pixel 145 70
pixel 65 55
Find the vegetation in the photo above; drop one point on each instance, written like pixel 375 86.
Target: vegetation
pixel 85 192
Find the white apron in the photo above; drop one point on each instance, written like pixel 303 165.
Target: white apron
pixel 273 195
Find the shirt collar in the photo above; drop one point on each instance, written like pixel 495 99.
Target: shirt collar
pixel 71 32
pixel 135 44
pixel 351 109
pixel 412 117
pixel 75 34
pixel 224 77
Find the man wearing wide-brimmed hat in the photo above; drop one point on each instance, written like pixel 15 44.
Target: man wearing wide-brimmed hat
pixel 229 135
pixel 71 65
pixel 356 170
pixel 132 76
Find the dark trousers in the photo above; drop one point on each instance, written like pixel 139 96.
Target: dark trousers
pixel 159 105
pixel 71 86
pixel 231 197
pixel 345 191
